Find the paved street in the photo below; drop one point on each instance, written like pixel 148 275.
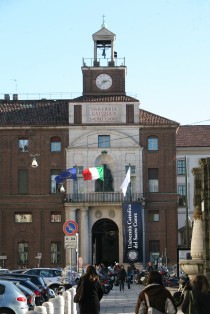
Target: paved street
pixel 121 302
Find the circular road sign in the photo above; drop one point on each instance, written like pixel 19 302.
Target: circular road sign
pixel 70 227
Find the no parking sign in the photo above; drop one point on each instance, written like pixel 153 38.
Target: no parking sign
pixel 70 227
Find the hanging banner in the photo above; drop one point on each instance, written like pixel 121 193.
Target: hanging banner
pixel 132 232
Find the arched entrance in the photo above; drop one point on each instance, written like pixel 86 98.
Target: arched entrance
pixel 105 242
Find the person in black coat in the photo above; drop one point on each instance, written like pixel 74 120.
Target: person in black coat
pixel 122 276
pixel 199 296
pixel 92 292
pixel 159 297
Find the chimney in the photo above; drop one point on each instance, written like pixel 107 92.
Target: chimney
pixel 15 96
pixel 7 97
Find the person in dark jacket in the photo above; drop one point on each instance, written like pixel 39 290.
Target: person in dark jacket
pixel 157 295
pixel 92 292
pixel 200 296
pixel 122 277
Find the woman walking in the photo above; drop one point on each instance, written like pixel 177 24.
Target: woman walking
pixel 197 300
pixel 157 295
pixel 91 292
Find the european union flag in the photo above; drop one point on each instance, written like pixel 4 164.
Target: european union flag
pixel 70 173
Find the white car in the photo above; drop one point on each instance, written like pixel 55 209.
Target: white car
pixel 51 276
pixel 12 299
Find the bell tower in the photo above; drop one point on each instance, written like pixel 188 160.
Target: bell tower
pixel 105 73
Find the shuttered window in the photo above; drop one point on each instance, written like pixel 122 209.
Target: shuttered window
pixel 129 113
pixel 77 114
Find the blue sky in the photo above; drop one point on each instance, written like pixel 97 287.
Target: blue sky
pixel 166 45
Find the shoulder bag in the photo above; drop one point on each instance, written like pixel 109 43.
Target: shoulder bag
pixel 151 310
pixel 79 293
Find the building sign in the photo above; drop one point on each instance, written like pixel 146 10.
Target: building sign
pixel 104 113
pixel 132 232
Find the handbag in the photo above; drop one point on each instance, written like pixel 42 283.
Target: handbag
pixel 193 305
pixel 79 293
pixel 151 310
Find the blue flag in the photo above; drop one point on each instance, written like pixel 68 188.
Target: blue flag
pixel 70 173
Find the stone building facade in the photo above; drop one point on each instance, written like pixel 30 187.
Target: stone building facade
pixel 103 127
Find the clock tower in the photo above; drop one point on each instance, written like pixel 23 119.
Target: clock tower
pixel 102 75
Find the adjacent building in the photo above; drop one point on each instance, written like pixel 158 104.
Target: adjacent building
pixel 192 144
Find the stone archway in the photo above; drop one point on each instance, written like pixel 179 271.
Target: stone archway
pixel 105 242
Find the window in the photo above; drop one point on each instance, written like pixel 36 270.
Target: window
pixel 154 249
pixel 133 169
pixel 153 180
pixel 55 216
pixel 55 144
pixel 182 194
pixel 55 249
pixel 152 143
pixel 23 217
pixel 54 186
pixel 79 169
pixel 78 114
pixel 22 181
pixel 181 167
pixel 23 253
pixel 23 145
pixel 154 215
pixel 103 141
pixel 129 113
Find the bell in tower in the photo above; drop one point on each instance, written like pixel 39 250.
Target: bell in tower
pixel 103 44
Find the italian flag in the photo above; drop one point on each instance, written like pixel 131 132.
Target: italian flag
pixel 93 173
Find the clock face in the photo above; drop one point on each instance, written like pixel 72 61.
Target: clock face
pixel 103 81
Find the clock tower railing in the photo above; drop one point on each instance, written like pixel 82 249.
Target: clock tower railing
pixel 107 62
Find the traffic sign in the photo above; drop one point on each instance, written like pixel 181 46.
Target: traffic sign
pixel 70 242
pixel 70 227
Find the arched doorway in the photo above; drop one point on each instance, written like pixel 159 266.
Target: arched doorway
pixel 105 242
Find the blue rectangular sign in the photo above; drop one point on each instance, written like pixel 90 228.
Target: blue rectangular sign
pixel 132 232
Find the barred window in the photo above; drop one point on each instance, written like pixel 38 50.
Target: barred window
pixel 181 167
pixel 55 249
pixel 22 253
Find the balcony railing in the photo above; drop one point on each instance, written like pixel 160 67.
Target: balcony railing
pixel 102 197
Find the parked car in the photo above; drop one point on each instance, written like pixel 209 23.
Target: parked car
pixel 26 282
pixel 4 271
pixel 38 281
pixel 18 271
pixel 51 276
pixel 12 299
pixel 30 296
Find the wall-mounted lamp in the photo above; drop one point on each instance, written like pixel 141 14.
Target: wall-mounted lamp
pixel 62 189
pixel 34 163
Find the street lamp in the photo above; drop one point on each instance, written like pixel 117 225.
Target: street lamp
pixel 62 189
pixel 34 163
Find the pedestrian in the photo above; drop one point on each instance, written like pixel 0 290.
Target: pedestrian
pixel 92 292
pixel 149 267
pixel 116 271
pixel 122 277
pixel 159 297
pixel 197 300
pixel 129 276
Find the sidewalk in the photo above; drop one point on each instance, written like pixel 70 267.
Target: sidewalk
pixel 116 302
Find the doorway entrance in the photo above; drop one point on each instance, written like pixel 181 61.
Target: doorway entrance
pixel 105 242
